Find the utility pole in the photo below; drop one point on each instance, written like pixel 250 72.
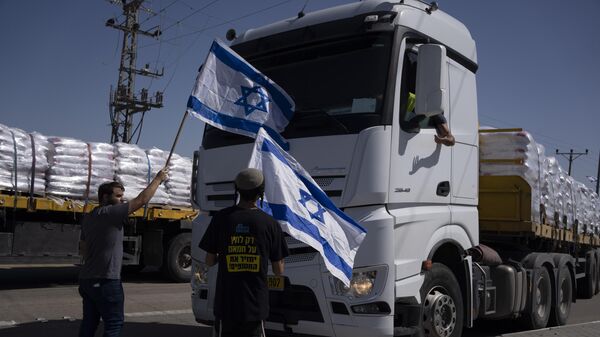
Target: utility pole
pixel 124 101
pixel 572 156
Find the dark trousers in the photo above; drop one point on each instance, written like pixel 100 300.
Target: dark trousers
pixel 102 298
pixel 238 329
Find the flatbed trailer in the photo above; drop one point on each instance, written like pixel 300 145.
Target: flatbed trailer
pixel 40 230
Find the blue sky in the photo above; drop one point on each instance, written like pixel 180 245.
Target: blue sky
pixel 538 65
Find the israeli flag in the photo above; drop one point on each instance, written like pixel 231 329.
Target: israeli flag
pixel 233 96
pixel 304 210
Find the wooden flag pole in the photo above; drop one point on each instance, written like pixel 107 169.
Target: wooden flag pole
pixel 176 138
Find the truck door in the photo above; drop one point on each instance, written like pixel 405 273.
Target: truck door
pixel 420 168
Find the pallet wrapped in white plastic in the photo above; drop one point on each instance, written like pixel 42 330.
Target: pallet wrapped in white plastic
pixel 563 200
pixel 514 154
pixel 70 168
pixel 23 161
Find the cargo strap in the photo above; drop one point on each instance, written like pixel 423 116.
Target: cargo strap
pixel 148 179
pixel 89 177
pixel 16 182
pixel 33 162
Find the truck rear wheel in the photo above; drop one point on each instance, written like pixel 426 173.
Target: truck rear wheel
pixel 442 303
pixel 564 297
pixel 586 285
pixel 541 300
pixel 178 263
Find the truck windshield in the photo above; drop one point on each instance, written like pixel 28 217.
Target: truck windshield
pixel 338 84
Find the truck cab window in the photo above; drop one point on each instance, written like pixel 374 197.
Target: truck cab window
pixel 338 84
pixel 408 87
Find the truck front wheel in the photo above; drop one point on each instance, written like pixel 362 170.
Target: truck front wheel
pixel 442 303
pixel 178 264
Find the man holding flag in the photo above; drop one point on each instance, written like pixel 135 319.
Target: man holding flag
pixel 233 96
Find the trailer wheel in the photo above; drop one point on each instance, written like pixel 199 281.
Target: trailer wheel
pixel 586 285
pixel 442 303
pixel 178 264
pixel 541 300
pixel 564 297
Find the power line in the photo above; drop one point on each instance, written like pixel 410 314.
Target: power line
pixel 207 28
pixel 190 15
pixel 223 23
pixel 572 156
pixel 159 12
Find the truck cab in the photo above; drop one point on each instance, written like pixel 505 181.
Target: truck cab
pixel 350 70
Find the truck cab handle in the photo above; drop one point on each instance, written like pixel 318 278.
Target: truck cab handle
pixel 443 189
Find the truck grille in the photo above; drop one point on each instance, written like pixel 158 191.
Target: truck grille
pixel 293 304
pixel 221 194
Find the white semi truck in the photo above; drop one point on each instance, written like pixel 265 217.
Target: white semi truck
pixel 350 70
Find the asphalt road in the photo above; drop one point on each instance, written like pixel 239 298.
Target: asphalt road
pixel 43 301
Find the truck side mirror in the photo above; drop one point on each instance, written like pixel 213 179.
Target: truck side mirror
pixel 432 79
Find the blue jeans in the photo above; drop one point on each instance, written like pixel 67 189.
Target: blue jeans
pixel 101 298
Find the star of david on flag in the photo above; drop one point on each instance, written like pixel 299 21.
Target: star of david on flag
pixel 233 96
pixel 250 106
pixel 303 210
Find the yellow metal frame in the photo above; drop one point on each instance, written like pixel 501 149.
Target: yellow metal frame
pixel 154 212
pixel 505 209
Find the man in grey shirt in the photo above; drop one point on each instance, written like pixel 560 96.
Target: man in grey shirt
pixel 102 248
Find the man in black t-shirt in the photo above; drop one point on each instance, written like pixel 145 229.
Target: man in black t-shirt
pixel 242 239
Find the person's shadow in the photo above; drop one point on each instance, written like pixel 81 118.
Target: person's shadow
pixel 62 328
pixel 427 162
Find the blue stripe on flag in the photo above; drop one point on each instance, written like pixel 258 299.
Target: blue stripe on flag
pixel 233 122
pixel 241 66
pixel 317 193
pixel 284 213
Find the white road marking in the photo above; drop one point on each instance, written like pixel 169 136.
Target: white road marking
pixel 550 328
pixel 4 324
pixel 158 313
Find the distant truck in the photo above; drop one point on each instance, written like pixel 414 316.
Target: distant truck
pixel 47 184
pixel 43 230
pixel 422 269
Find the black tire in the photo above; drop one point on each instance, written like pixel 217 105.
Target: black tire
pixel 441 298
pixel 586 285
pixel 563 299
pixel 541 300
pixel 178 262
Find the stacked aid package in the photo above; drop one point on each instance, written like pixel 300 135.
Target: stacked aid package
pixel 23 160
pixel 72 169
pixel 555 196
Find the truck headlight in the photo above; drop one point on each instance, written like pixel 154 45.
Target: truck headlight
pixel 199 274
pixel 361 284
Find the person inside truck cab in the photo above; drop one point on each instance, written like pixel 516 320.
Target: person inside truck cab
pixel 410 120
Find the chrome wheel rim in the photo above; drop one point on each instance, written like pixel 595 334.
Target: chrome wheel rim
pixel 184 259
pixel 541 297
pixel 564 296
pixel 439 313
